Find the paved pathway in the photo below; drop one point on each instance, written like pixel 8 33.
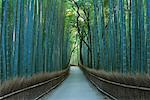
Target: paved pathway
pixel 75 87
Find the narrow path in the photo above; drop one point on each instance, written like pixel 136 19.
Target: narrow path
pixel 75 87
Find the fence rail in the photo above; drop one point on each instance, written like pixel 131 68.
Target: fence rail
pixel 53 83
pixel 117 90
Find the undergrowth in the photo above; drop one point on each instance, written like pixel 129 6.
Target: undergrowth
pixel 134 80
pixel 21 83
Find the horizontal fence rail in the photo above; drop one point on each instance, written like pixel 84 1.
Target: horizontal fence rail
pixel 40 96
pixel 54 82
pixel 117 90
pixel 119 84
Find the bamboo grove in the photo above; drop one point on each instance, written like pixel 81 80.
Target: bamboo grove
pixel 38 36
pixel 114 35
pixel 32 38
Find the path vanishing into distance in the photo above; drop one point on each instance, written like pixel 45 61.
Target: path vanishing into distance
pixel 75 87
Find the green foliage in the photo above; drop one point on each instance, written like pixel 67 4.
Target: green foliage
pixel 31 37
pixel 41 35
pixel 115 31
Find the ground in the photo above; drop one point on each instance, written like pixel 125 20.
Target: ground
pixel 75 87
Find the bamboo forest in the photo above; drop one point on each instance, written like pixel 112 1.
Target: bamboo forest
pixel 70 44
